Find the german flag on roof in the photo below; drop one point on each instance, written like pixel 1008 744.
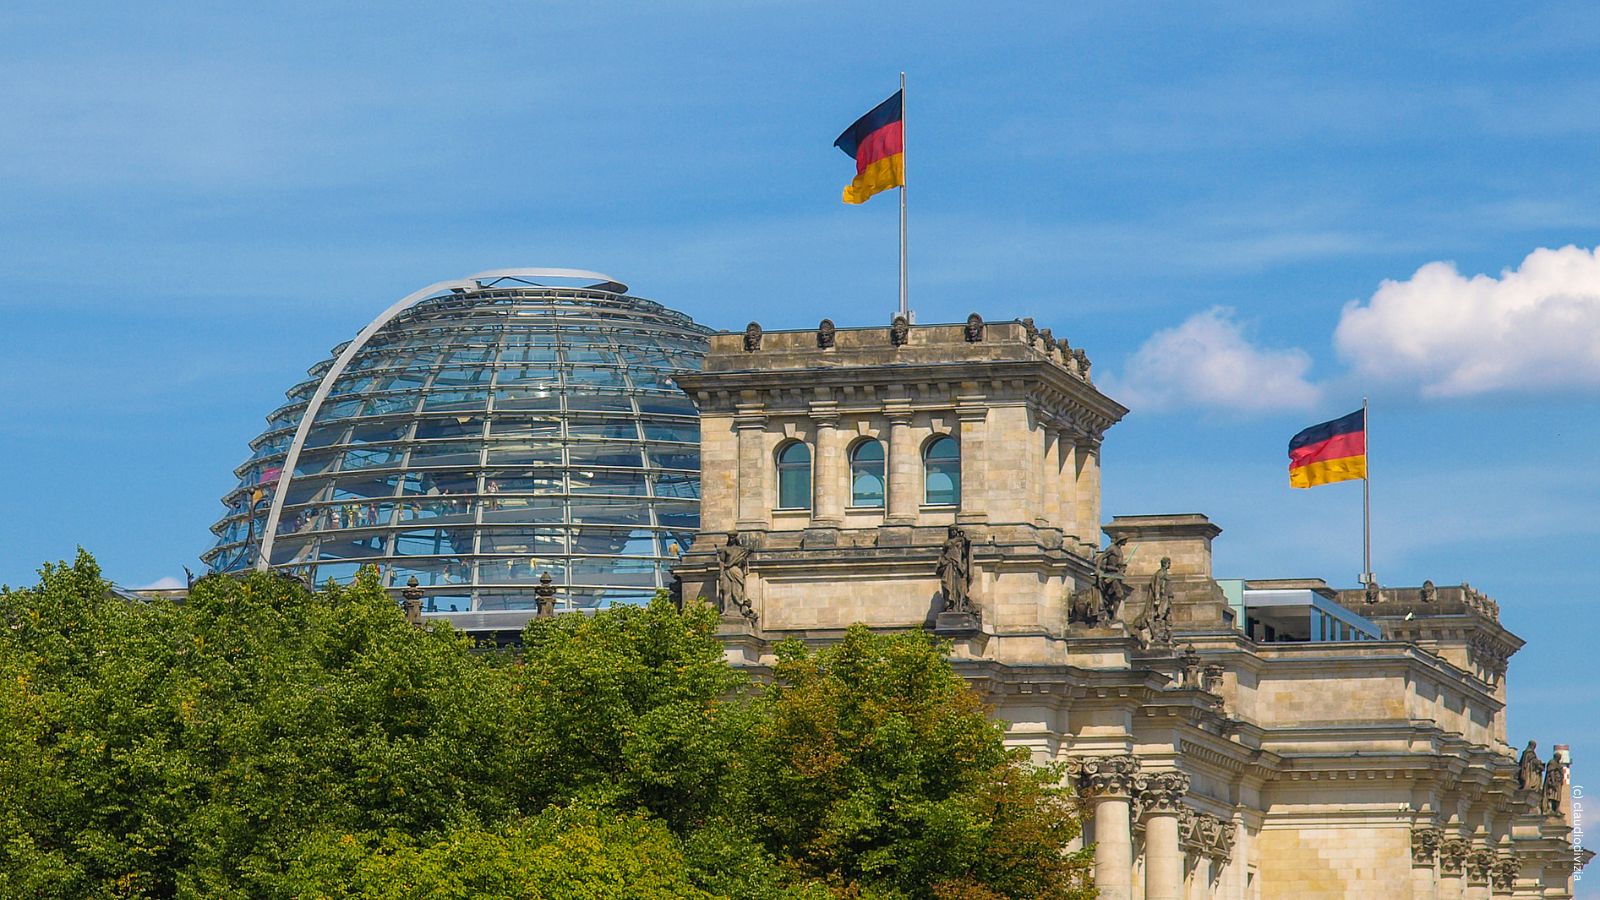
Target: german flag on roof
pixel 1329 452
pixel 877 143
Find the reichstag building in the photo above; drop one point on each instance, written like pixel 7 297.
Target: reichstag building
pixel 524 442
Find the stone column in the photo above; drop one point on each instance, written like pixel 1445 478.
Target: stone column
pixel 753 469
pixel 827 503
pixel 905 470
pixel 1424 853
pixel 972 415
pixel 1109 783
pixel 1452 867
pixel 1161 801
pixel 1088 483
pixel 1479 864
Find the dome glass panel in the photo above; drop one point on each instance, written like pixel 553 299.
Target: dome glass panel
pixel 478 439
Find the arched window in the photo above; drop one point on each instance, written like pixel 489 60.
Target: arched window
pixel 794 476
pixel 866 474
pixel 941 472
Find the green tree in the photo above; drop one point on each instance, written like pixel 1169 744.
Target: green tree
pixel 264 740
pixel 875 768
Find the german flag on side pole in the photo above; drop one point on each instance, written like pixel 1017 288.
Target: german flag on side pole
pixel 877 143
pixel 1329 452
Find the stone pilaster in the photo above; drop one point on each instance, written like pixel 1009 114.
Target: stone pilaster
pixel 1452 868
pixel 828 486
pixel 753 469
pixel 1067 485
pixel 1109 783
pixel 905 470
pixel 1161 802
pixel 1088 491
pixel 971 413
pixel 1425 843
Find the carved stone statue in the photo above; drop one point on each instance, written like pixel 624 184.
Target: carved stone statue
pixel 1373 594
pixel 1029 330
pixel 1555 778
pixel 974 330
pixel 545 597
pixel 752 337
pixel 1530 771
pixel 733 564
pixel 899 331
pixel 1160 611
pixel 1429 593
pixel 1083 362
pixel 825 333
pixel 955 571
pixel 1110 578
pixel 1049 340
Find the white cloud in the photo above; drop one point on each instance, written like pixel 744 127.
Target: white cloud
pixel 1209 361
pixel 1536 326
pixel 165 583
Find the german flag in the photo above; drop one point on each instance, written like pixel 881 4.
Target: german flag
pixel 1332 451
pixel 878 145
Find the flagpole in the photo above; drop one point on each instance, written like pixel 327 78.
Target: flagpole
pixel 1366 496
pixel 905 308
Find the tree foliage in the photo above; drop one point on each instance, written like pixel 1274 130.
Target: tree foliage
pixel 264 740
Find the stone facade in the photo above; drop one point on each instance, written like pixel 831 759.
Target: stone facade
pixel 1211 764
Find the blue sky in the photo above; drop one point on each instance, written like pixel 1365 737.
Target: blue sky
pixel 196 205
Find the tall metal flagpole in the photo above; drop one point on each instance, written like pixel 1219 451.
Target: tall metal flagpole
pixel 1366 497
pixel 905 308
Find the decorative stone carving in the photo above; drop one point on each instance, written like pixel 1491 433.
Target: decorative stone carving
pixel 1429 593
pixel 1373 593
pixel 1453 856
pixel 1048 339
pixel 1479 862
pixel 752 337
pixel 825 333
pixel 1163 793
pixel 1425 845
pixel 1530 771
pixel 733 565
pixel 413 601
pixel 1555 778
pixel 1028 330
pixel 899 331
pixel 1506 869
pixel 955 571
pixel 1083 362
pixel 1103 776
pixel 1476 600
pixel 544 594
pixel 1489 653
pixel 974 330
pixel 1211 678
pixel 1189 661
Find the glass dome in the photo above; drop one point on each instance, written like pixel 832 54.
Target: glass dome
pixel 477 435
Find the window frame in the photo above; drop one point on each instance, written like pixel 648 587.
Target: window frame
pixel 882 474
pixel 781 466
pixel 943 465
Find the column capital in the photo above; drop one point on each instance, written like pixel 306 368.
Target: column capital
pixel 1480 861
pixel 1453 856
pixel 1505 871
pixel 1106 776
pixel 1163 793
pixel 824 412
pixel 1425 843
